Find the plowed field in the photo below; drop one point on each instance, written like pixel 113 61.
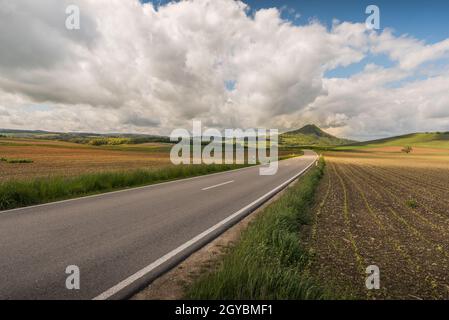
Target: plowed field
pixel 385 208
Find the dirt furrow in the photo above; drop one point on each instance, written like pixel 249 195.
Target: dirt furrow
pixel 429 222
pixel 397 236
pixel 333 259
pixel 349 231
pixel 424 189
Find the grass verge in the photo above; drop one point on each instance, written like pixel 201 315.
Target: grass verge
pixel 292 154
pixel 15 194
pixel 269 261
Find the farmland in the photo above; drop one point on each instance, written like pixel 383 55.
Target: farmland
pixel 372 206
pixel 45 158
pixel 58 158
pixel 34 171
pixel 378 206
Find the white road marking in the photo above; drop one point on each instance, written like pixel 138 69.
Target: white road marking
pixel 218 185
pixel 141 273
pixel 128 189
pixel 105 194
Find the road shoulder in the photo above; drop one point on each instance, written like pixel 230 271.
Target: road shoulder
pixel 172 285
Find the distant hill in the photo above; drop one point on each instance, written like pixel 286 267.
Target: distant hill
pixel 81 137
pixel 428 139
pixel 24 133
pixel 311 135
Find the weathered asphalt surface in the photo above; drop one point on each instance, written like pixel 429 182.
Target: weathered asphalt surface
pixel 112 236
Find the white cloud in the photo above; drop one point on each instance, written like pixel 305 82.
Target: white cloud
pixel 134 68
pixel 409 52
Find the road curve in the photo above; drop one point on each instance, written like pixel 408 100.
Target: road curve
pixel 122 240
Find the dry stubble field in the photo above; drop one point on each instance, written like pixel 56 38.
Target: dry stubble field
pixel 382 207
pixel 57 158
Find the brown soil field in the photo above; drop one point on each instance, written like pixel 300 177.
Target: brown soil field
pixel 59 158
pixel 55 158
pixel 385 208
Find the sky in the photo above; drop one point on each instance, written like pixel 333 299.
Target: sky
pixel 154 66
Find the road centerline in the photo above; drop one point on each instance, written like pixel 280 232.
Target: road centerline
pixel 136 277
pixel 217 185
pixel 142 215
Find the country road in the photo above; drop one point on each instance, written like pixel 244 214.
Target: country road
pixel 120 240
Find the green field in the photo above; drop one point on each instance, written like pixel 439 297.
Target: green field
pixel 439 140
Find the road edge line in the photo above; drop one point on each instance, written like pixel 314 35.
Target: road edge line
pixel 104 194
pixel 146 275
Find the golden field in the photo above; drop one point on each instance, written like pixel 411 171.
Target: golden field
pixel 57 158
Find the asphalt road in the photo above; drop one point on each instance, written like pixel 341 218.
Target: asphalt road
pixel 122 240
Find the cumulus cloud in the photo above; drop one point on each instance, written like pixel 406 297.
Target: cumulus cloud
pixel 134 67
pixel 367 106
pixel 409 52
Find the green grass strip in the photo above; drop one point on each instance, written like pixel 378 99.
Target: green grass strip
pixel 269 261
pixel 16 160
pixel 21 193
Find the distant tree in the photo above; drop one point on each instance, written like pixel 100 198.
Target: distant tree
pixel 113 141
pixel 98 142
pixel 407 149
